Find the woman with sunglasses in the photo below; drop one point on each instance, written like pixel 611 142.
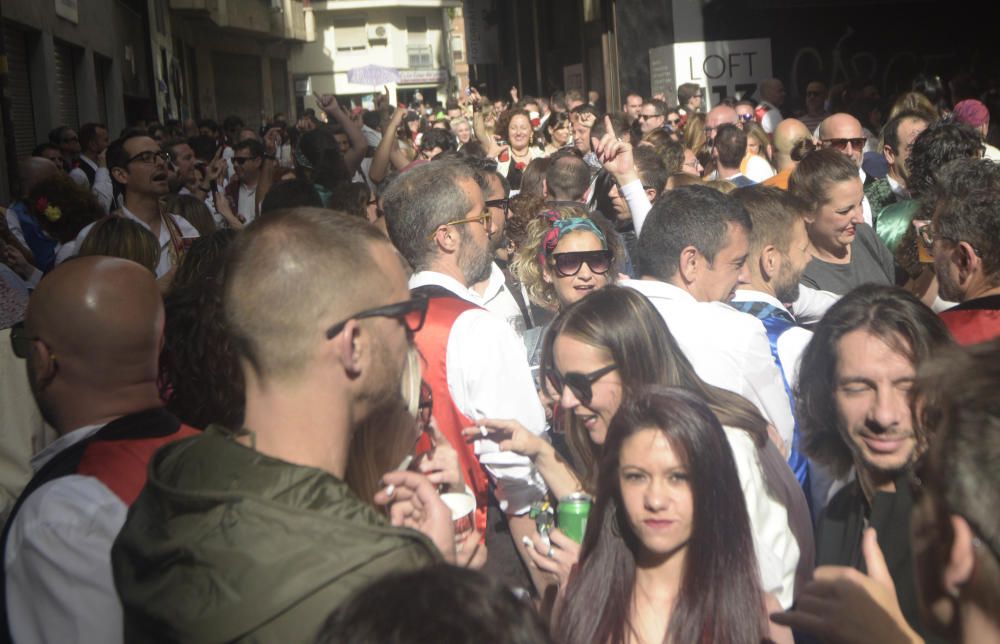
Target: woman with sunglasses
pixel 846 251
pixel 565 256
pixel 668 553
pixel 596 353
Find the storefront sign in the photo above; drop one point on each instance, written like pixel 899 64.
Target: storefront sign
pixel 423 77
pixel 722 67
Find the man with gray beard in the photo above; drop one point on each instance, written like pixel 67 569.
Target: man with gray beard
pixel 473 361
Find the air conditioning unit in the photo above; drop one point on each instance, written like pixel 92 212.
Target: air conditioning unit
pixel 378 32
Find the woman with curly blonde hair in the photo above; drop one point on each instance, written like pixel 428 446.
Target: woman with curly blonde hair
pixel 566 255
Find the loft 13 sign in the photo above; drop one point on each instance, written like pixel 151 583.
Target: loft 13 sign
pixel 724 67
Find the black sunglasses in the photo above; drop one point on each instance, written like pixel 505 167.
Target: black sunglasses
pixel 410 313
pixel 841 144
pixel 569 264
pixel 499 203
pixel 579 383
pixel 20 341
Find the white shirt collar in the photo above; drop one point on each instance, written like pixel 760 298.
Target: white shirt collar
pixel 897 188
pixel 862 174
pixel 433 278
pixel 496 283
pixel 65 441
pixel 655 289
pixel 85 159
pixel 750 295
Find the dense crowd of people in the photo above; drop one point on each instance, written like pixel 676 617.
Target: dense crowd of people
pixel 526 370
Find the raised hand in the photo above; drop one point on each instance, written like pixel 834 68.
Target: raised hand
pixel 414 503
pixel 615 154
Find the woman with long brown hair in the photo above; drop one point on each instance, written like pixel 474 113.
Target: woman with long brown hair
pixel 598 352
pixel 668 554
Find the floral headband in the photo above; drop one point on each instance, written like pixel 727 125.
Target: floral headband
pixel 49 210
pixel 562 226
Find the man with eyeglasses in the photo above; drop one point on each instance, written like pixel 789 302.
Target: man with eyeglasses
pixel 248 161
pixel 963 214
pixel 844 133
pixel 652 116
pixel 815 100
pixel 90 343
pixel 140 168
pixel 474 362
pixel 323 325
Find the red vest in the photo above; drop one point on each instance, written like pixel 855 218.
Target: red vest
pixel 974 321
pixel 432 342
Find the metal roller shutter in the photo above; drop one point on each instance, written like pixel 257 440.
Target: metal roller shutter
pixel 19 90
pixel 66 104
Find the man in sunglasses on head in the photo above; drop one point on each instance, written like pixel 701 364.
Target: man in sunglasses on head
pixel 139 167
pixel 250 533
pixel 474 362
pixel 844 133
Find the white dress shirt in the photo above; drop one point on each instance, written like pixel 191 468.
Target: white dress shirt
pixel 488 377
pixel 791 343
pixel 166 257
pixel 498 299
pixel 775 545
pixel 57 562
pixel 727 348
pixel 247 202
pixel 102 187
pixel 866 206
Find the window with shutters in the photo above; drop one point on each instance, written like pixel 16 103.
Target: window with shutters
pixel 66 105
pixel 19 90
pixel 419 56
pixel 349 34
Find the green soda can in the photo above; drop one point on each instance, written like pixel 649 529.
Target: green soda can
pixel 572 515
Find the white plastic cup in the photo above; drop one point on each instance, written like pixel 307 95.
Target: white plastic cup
pixel 462 506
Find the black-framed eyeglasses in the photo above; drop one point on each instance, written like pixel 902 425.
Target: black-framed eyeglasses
pixel 149 156
pixel 242 160
pixel 927 236
pixel 500 203
pixel 410 313
pixel 569 264
pixel 20 341
pixel 841 144
pixel 676 121
pixel 581 384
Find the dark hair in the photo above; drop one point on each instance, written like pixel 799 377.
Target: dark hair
pixel 650 167
pixel 351 198
pixel 371 118
pixel 817 172
pixel 117 155
pixel 891 314
pixel 56 134
pixel 659 107
pixel 890 131
pixel 503 122
pixel 567 178
pixel 324 164
pixel 200 375
pixel 685 91
pixel 42 147
pixel 77 207
pixel 203 146
pixel 801 148
pixel 624 323
pixel 88 133
pixel 291 193
pixel 940 143
pixel 719 597
pixel 440 603
pixel 774 213
pixel 208 124
pixel 194 211
pixel 555 120
pixel 670 151
pixel 232 122
pixel 533 177
pixel 688 216
pixel 965 206
pixel 959 410
pixel 256 148
pixel 437 138
pixel 731 144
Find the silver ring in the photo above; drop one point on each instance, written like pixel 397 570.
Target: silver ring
pixel 551 554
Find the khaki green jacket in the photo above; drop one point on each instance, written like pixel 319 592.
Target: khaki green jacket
pixel 226 544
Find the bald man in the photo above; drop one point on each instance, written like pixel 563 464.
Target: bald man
pixel 844 133
pixel 788 134
pixel 90 341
